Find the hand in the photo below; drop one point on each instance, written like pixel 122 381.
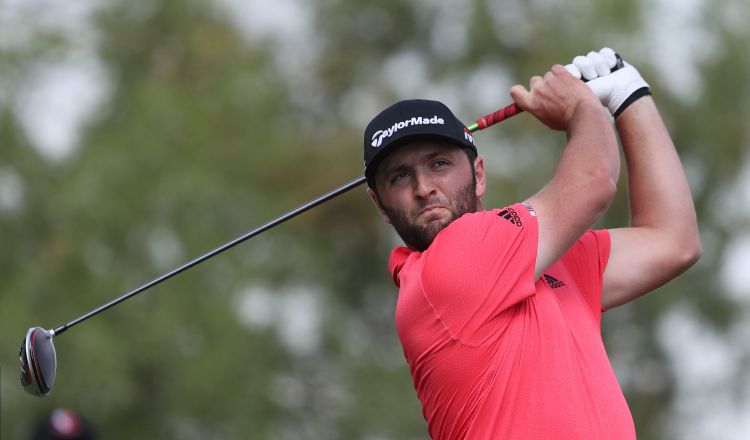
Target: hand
pixel 554 98
pixel 616 87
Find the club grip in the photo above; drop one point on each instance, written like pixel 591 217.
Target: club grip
pixel 498 116
pixel 513 109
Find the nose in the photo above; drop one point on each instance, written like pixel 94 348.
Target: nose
pixel 424 187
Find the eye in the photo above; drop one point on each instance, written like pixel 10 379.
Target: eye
pixel 440 163
pixel 400 176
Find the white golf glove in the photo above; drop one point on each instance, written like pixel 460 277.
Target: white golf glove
pixel 616 83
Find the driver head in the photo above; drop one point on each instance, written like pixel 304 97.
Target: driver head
pixel 38 362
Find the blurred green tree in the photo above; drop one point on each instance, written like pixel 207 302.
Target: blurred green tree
pixel 223 115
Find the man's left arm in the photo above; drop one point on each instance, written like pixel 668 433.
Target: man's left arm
pixel 662 240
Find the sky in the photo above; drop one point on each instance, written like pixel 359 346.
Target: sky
pixel 64 93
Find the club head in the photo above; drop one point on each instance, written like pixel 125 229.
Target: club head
pixel 38 362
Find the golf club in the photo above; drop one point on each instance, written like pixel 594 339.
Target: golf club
pixel 38 357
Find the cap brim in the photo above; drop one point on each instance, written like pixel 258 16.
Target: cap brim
pixel 400 142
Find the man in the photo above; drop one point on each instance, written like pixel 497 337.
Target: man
pixel 499 310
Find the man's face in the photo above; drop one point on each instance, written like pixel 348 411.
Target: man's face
pixel 423 186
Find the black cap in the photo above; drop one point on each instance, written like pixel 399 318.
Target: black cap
pixel 408 121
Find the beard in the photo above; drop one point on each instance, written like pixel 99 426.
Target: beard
pixel 420 236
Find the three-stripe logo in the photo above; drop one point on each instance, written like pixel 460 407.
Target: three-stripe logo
pixel 511 215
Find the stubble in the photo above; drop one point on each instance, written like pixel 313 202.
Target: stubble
pixel 420 236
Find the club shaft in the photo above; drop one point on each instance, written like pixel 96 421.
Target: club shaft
pixel 486 121
pixel 278 220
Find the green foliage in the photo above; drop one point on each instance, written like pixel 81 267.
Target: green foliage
pixel 207 134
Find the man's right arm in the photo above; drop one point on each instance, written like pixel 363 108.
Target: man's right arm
pixel 585 180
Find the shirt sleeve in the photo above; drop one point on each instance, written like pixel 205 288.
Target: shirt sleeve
pixel 480 265
pixel 586 261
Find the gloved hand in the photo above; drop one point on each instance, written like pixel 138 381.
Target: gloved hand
pixel 616 83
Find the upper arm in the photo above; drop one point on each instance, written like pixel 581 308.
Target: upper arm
pixel 565 210
pixel 641 259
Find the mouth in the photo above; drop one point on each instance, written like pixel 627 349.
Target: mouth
pixel 430 210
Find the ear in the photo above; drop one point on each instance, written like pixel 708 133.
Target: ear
pixel 481 176
pixel 376 201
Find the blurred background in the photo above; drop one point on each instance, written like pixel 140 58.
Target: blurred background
pixel 137 135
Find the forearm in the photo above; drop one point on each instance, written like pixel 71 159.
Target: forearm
pixel 660 198
pixel 591 150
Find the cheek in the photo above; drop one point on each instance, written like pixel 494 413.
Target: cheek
pixel 401 204
pixel 457 181
pixel 395 199
pixel 391 198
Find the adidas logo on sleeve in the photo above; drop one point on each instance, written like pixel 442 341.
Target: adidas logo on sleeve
pixel 511 215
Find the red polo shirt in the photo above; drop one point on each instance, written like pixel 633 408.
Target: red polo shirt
pixel 495 354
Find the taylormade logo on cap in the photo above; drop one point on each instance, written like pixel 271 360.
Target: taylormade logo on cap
pixel 407 121
pixel 378 136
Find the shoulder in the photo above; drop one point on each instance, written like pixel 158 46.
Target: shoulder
pixel 593 244
pixel 471 220
pixel 482 239
pixel 587 259
pixel 482 225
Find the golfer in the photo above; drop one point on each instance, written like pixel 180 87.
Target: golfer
pixel 499 310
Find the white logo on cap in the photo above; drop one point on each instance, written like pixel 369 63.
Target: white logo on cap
pixel 378 136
